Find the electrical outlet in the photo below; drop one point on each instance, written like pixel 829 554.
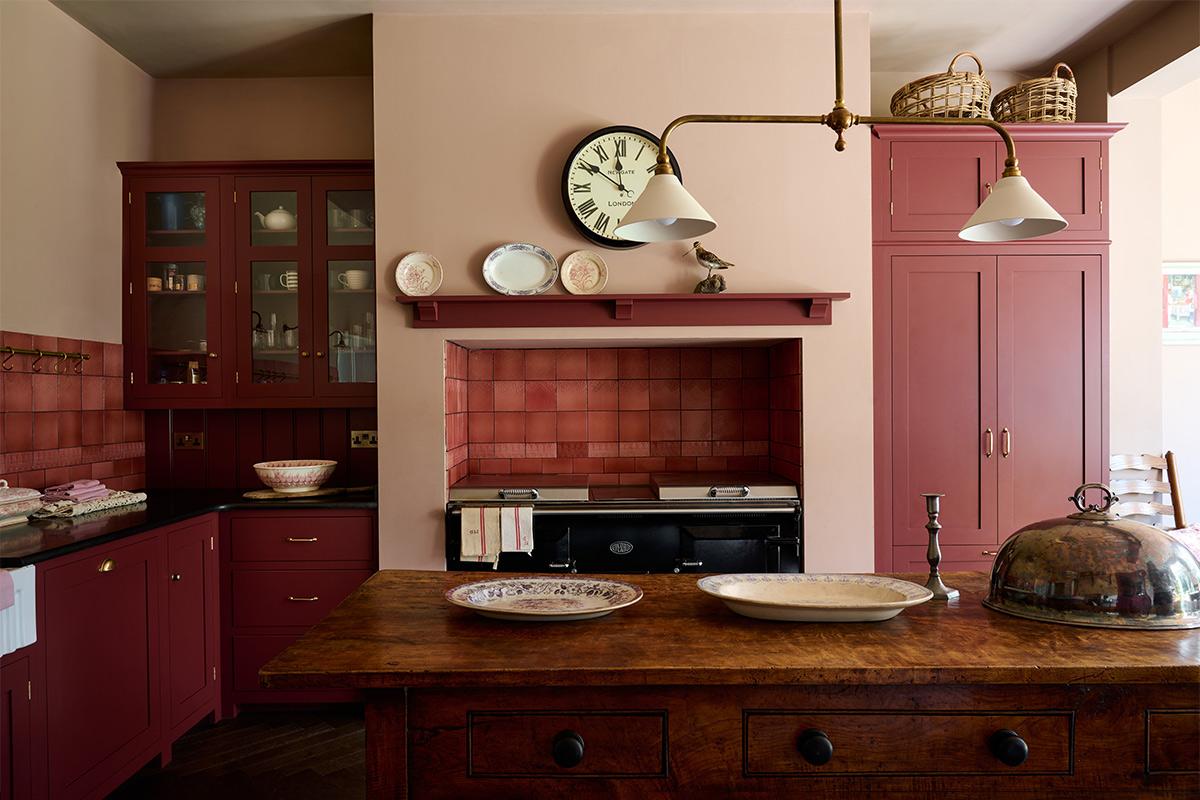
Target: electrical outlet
pixel 189 441
pixel 364 439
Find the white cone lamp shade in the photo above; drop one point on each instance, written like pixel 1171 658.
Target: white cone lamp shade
pixel 665 212
pixel 1012 211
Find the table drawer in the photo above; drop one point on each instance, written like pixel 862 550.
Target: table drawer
pixel 1172 741
pixel 302 537
pixel 514 744
pixel 934 743
pixel 293 597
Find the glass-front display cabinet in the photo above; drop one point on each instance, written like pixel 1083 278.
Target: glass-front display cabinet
pixel 174 288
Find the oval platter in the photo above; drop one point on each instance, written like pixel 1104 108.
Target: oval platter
pixel 544 599
pixel 814 597
pixel 520 268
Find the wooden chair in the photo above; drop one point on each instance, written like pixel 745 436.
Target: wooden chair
pixel 1146 494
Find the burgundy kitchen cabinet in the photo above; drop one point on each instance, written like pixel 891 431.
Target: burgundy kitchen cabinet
pixel 934 186
pixel 16 727
pixel 191 634
pixel 249 284
pixel 282 572
pixel 102 661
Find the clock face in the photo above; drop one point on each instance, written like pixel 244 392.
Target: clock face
pixel 604 176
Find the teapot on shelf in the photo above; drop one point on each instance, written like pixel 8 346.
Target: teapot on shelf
pixel 278 220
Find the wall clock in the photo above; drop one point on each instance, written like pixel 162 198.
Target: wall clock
pixel 603 177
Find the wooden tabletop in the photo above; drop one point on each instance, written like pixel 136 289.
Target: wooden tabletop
pixel 397 630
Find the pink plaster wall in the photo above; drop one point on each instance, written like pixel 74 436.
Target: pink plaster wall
pixel 474 117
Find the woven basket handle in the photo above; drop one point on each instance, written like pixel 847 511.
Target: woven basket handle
pixel 950 69
pixel 1060 65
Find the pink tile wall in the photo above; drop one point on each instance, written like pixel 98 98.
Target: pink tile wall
pixel 619 414
pixel 61 427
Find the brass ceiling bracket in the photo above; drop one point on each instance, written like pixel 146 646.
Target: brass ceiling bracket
pixel 839 120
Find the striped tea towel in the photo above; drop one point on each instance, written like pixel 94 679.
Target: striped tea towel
pixel 480 534
pixel 516 529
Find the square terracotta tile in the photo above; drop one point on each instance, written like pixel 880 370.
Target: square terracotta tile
pixel 681 464
pixel 633 362
pixel 570 364
pixel 45 343
pixel 539 365
pixel 57 476
pixel 113 397
pixel 451 396
pixel 727 362
pixel 663 362
pixel 479 365
pixel 510 449
pixel 70 428
pixel 114 427
pixel 658 448
pixel 578 449
pixel 756 424
pixel 653 464
pixel 729 448
pixel 571 395
pixel 602 395
pixel 695 425
pixel 79 472
pixel 601 364
pixel 712 463
pixel 633 426
pixel 727 425
pixel 45 430
pixel 18 391
pixel 22 340
pixel 508 365
pixel 481 449
pixel 695 362
pixel 756 393
pixel 587 465
pixel 633 478
pixel 480 427
pixel 572 426
pixel 556 466
pixel 32 479
pixel 602 426
pixel 114 360
pixel 92 427
pixel 664 426
pixel 510 395
pixel 94 365
pixel 664 393
pixel 695 394
pixel 603 449
pixel 70 392
pixel 603 479
pixel 45 392
pixel 541 395
pixel 18 431
pixel 92 394
pixel 526 465
pixel 510 426
pixel 479 396
pixel 541 450
pixel 755 362
pixel 726 393
pixel 633 449
pixel 633 394
pixel 101 470
pixel 756 448
pixel 541 426
pixel 494 466
pixel 619 465
pixel 785 358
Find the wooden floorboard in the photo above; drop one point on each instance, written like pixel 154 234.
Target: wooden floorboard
pixel 264 755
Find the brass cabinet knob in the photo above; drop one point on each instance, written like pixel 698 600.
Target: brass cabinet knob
pixel 304 354
pixel 212 355
pixel 107 565
pixel 989 552
pixel 320 354
pixel 175 576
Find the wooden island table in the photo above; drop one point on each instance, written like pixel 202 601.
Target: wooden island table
pixel 678 697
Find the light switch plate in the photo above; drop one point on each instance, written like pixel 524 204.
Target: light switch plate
pixel 364 439
pixel 189 441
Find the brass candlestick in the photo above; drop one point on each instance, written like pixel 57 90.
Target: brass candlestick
pixel 934 554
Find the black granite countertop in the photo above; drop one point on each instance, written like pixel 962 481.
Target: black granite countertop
pixel 43 539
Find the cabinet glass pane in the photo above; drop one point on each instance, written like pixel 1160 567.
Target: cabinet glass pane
pixel 273 219
pixel 351 217
pixel 351 321
pixel 177 322
pixel 175 219
pixel 275 321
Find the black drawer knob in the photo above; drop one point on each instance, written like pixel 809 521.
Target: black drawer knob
pixel 567 749
pixel 1008 747
pixel 815 746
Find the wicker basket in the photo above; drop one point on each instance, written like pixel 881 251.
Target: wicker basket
pixel 947 94
pixel 1049 99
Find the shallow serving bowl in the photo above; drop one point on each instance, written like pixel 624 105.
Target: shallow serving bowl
pixel 298 475
pixel 814 598
pixel 542 599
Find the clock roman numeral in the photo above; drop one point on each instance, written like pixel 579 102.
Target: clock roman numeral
pixel 588 167
pixel 651 168
pixel 601 153
pixel 638 157
pixel 621 151
pixel 581 188
pixel 601 225
pixel 586 209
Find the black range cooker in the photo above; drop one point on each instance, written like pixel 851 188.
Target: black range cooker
pixel 682 522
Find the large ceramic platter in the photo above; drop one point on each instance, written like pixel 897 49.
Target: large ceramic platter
pixel 545 599
pixel 814 598
pixel 520 269
pixel 419 274
pixel 584 272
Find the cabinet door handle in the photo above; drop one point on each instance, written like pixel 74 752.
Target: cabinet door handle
pixel 175 576
pixel 301 539
pixel 989 552
pixel 1005 442
pixel 312 599
pixel 320 354
pixel 107 565
pixel 988 443
pixel 212 355
pixel 304 354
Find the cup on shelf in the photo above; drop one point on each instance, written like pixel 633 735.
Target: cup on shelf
pixel 264 282
pixel 154 284
pixel 290 280
pixel 355 279
pixel 195 282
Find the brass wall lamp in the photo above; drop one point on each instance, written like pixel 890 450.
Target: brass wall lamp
pixel 666 212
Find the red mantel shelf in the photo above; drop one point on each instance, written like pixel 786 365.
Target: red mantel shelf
pixel 621 310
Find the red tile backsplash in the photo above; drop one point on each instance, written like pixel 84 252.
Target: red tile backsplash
pixel 62 426
pixel 619 414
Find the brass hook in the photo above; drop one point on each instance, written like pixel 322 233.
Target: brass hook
pixel 78 369
pixel 59 363
pixel 34 366
pixel 8 367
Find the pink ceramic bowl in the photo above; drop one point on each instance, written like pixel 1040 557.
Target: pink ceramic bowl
pixel 300 475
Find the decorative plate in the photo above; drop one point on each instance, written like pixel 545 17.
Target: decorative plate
pixel 544 599
pixel 520 269
pixel 584 272
pixel 814 598
pixel 419 274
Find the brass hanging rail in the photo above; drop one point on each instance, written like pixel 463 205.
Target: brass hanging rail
pixel 62 356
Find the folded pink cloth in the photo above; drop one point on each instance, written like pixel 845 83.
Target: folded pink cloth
pixel 73 485
pixel 7 593
pixel 79 495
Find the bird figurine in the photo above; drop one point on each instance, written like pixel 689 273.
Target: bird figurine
pixel 712 284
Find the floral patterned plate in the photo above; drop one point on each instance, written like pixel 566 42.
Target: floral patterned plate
pixel 419 274
pixel 544 599
pixel 814 598
pixel 584 272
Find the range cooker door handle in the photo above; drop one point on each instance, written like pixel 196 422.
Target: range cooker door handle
pixel 518 494
pixel 680 563
pixel 729 491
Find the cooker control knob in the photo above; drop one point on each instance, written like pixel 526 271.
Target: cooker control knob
pixel 815 746
pixel 1008 747
pixel 567 749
